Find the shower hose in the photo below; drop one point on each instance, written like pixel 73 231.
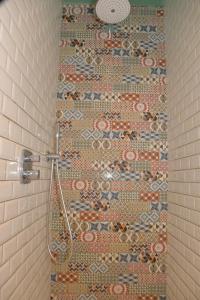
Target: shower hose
pixel 54 167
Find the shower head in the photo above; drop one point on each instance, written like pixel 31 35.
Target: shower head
pixel 113 11
pixel 57 130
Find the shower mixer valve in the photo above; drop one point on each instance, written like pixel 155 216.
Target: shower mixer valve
pixel 32 158
pixel 26 167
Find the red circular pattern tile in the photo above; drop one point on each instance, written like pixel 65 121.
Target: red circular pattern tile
pixel 140 106
pixel 102 124
pixel 118 289
pixel 158 247
pixel 102 35
pixel 129 155
pixel 79 185
pixel 77 10
pixel 148 62
pixel 89 237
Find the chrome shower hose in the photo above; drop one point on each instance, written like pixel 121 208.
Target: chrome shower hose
pixel 54 162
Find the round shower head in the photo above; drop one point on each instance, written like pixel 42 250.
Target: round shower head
pixel 113 11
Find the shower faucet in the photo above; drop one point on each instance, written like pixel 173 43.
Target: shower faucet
pixel 26 167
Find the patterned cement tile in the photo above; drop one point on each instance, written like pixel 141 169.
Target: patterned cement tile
pixel 111 108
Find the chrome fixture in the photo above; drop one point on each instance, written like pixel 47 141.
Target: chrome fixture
pixel 26 167
pixel 52 156
pixel 54 159
pixel 58 135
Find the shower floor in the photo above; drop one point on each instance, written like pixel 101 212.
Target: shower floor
pixel 111 108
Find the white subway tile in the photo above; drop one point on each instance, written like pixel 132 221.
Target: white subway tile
pixel 184 134
pixel 3 60
pixel 14 11
pixel 13 71
pixel 10 109
pixel 9 249
pixel 4 273
pixel 25 86
pixel 27 113
pixel 17 225
pixel 9 287
pixel 1 255
pixel 6 232
pixel 18 96
pixel 5 16
pixel 4 126
pixel 7 149
pixel 1 212
pixel 21 62
pixel 22 118
pixel 15 133
pixel 11 209
pixel 6 188
pixel 2 169
pixel 6 41
pixel 17 37
pixel 5 83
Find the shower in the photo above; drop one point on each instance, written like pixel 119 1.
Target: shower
pixel 99 154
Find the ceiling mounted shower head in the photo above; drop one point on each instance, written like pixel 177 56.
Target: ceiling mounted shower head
pixel 113 11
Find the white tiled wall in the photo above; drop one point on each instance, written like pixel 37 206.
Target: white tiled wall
pixel 183 43
pixel 29 33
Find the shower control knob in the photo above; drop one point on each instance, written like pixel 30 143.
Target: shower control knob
pixel 32 174
pixel 25 166
pixel 32 158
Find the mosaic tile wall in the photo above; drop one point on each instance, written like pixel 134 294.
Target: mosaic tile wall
pixel 111 108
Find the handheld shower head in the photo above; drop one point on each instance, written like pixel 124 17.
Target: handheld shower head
pixel 57 129
pixel 55 156
pixel 57 137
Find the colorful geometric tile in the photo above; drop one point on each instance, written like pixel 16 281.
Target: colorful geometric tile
pixel 112 112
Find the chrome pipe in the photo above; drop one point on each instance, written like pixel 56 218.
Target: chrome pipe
pixel 49 211
pixel 54 158
pixel 64 209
